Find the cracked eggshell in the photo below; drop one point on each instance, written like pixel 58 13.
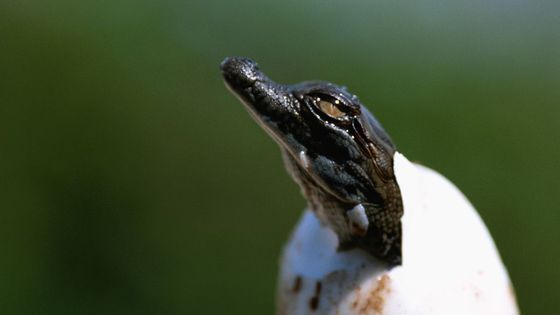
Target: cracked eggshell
pixel 450 263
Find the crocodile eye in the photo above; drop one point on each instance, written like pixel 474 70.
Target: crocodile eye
pixel 329 107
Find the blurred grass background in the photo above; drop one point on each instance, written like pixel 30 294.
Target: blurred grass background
pixel 132 182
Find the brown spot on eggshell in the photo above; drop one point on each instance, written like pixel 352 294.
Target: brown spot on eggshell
pixel 374 300
pixel 314 301
pixel 297 285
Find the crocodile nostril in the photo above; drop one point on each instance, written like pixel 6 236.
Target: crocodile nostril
pixel 241 72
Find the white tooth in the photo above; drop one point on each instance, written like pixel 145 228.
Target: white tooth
pixel 358 216
pixel 304 160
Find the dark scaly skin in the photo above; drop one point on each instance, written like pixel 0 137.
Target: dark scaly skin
pixel 341 159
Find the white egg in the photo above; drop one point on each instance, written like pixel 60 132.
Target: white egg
pixel 450 263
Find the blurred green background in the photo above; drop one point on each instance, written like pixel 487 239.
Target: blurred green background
pixel 132 182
